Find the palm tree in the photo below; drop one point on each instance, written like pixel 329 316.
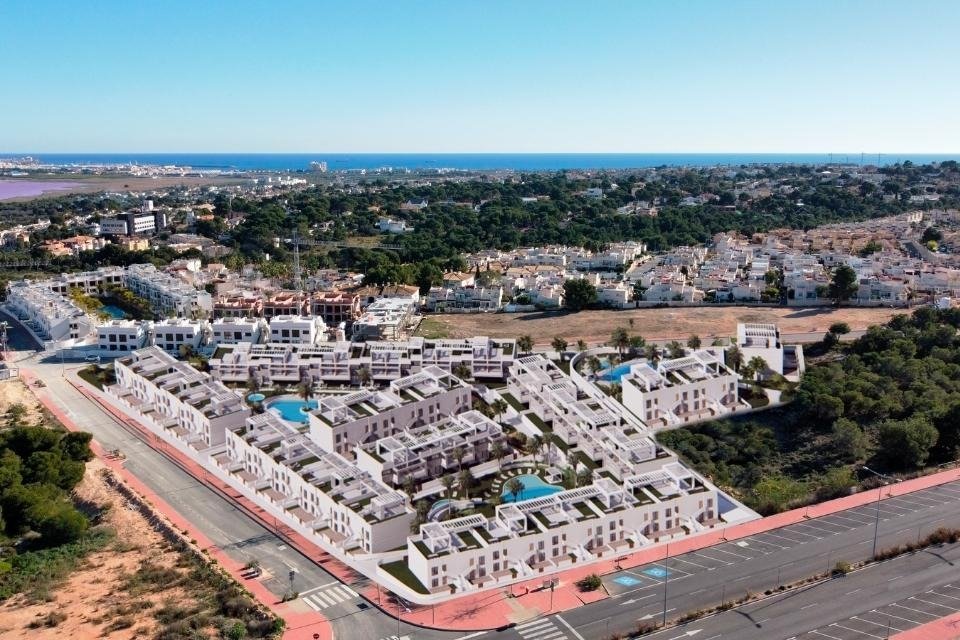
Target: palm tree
pixel 584 477
pixel 458 454
pixel 363 375
pixel 559 345
pixel 746 372
pixel 594 363
pixel 499 407
pixel 448 481
pixel 569 478
pixel 581 345
pixel 652 352
pixel 676 349
pixel 536 445
pixel 620 339
pixel 462 371
pixel 525 344
pixel 757 365
pixel 734 358
pixel 637 343
pixel 497 450
pixel 515 487
pixel 410 486
pixel 306 390
pixel 694 341
pixel 465 480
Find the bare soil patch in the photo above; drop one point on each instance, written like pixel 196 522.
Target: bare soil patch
pixel 672 322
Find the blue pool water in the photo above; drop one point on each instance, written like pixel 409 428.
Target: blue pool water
pixel 113 311
pixel 256 397
pixel 293 409
pixel 533 487
pixel 436 508
pixel 614 375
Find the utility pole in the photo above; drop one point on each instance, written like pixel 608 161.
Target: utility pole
pixel 876 524
pixel 666 579
pixel 297 275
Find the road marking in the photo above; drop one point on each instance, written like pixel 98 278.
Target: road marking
pixel 894 578
pixel 935 604
pixel 572 630
pixel 809 605
pixel 825 635
pixel 472 635
pixel 923 613
pixel 893 615
pixel 837 624
pixel 538 622
pixel 851 592
pixel 681 559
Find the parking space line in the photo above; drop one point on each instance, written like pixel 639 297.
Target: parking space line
pixel 876 624
pixel 846 523
pixel 681 559
pixel 942 595
pixel 889 506
pixel 837 624
pixel 731 553
pixel 822 522
pixel 935 604
pixel 886 620
pixel 825 635
pixel 923 613
pixel 794 527
pixel 701 554
pixel 764 542
pixel 893 615
pixel 775 535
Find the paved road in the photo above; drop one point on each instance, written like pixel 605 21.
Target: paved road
pixel 700 579
pixel 875 603
pixel 241 537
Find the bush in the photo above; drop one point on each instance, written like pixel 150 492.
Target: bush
pixel 50 620
pixel 590 583
pixel 842 568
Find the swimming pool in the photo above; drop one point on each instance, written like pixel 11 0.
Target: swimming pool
pixel 256 397
pixel 614 375
pixel 293 409
pixel 113 311
pixel 533 487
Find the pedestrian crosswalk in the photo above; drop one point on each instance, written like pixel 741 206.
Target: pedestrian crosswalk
pixel 542 629
pixel 328 596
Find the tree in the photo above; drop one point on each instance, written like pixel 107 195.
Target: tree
pixel 306 391
pixel 757 365
pixel 515 487
pixel 843 284
pixel 525 344
pixel 499 407
pixel 465 481
pixel 462 371
pixel 578 294
pixel 849 441
pixel 535 444
pixel 559 345
pixel 448 481
pixel 637 343
pixel 734 358
pixel 694 341
pixel 676 349
pixel 652 353
pixel 906 444
pixel 497 450
pixel 593 362
pixel 363 375
pixel 840 328
pixel 584 477
pixel 458 454
pixel 620 340
pixel 569 478
pixel 581 346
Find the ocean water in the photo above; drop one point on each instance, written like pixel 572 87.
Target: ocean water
pixel 467 161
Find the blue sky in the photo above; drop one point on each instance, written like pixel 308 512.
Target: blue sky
pixel 460 76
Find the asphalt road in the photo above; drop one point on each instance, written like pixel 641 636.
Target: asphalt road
pixel 727 571
pixel 232 530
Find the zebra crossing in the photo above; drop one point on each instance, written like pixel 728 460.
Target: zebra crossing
pixel 328 596
pixel 542 629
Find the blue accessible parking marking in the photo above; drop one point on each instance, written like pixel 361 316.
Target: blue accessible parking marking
pixel 656 572
pixel 626 581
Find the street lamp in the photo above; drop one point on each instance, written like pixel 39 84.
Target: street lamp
pixel 876 526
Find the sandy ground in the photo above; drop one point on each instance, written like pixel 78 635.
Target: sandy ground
pixel 596 326
pixel 12 392
pixel 95 595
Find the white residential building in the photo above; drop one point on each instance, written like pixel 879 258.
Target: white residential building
pixel 50 316
pixel 237 330
pixel 121 336
pixel 763 341
pixel 384 319
pixel 297 329
pixel 341 421
pixel 166 294
pixel 173 333
pixel 464 299
pixel 669 393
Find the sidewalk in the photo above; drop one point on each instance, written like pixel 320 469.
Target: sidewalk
pixel 525 600
pixel 298 625
pixel 943 629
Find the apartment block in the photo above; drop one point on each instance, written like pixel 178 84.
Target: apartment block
pixel 285 303
pixel 173 333
pixel 232 330
pixel 672 392
pixel 167 295
pixel 341 421
pixel 50 316
pixel 120 336
pixel 178 401
pixel 240 306
pixel 297 329
pixel 431 450
pixel 763 340
pixel 384 319
pixel 335 307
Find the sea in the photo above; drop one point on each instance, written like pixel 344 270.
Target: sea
pixel 467 161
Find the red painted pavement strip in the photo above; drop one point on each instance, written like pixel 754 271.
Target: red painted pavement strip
pixel 943 629
pixel 298 625
pixel 490 609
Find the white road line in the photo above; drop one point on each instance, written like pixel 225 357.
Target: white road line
pixel 701 554
pixel 471 635
pixel 885 620
pixel 323 586
pixel 893 615
pixel 837 624
pixel 942 595
pixel 844 516
pixel 894 578
pixel 325 598
pixel 923 613
pixel 876 624
pixel 812 604
pixel 311 604
pixel 538 622
pixel 681 559
pixel 774 535
pixel 935 604
pixel 544 633
pixel 572 630
pixel 793 529
pixel 731 553
pixel 825 635
pixel 769 544
pixel 851 592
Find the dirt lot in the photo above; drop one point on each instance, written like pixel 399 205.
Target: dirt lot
pixel 677 322
pixel 15 392
pixel 94 184
pixel 105 597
